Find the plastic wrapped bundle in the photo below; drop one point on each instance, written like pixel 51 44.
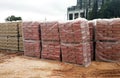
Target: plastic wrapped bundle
pixel 107 40
pixel 74 32
pixel 108 51
pixel 32 48
pixel 76 53
pixel 31 38
pixel 50 40
pixel 108 29
pixel 50 32
pixel 31 31
pixel 75 42
pixel 51 50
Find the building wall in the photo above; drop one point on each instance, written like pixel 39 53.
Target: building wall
pixel 75 14
pixel 81 8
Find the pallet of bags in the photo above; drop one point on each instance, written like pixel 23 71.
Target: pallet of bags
pixel 75 42
pixel 50 41
pixel 3 29
pixel 3 42
pixel 3 34
pixel 12 29
pixel 12 43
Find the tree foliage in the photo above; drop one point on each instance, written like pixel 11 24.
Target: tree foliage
pixel 13 18
pixel 110 9
pixel 94 13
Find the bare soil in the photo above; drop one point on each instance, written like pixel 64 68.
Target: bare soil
pixel 15 65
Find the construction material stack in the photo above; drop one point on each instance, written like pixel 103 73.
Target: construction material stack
pixel 108 40
pixel 12 36
pixel 50 41
pixel 31 38
pixel 3 36
pixel 75 42
pixel 9 36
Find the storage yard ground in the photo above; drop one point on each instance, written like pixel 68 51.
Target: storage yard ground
pixel 15 65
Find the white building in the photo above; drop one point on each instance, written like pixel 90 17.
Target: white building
pixel 81 9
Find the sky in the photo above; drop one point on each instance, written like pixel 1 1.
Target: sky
pixel 35 10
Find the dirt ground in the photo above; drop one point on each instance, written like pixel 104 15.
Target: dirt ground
pixel 15 65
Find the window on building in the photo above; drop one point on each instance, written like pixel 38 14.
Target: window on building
pixel 82 14
pixel 70 16
pixel 76 15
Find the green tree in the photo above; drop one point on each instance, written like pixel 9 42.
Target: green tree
pixel 103 2
pixel 13 18
pixel 110 9
pixel 7 19
pixel 18 18
pixel 94 13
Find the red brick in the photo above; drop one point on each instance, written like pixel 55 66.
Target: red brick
pixel 32 48
pixel 71 52
pixel 51 50
pixel 108 51
pixel 69 32
pixel 50 41
pixel 49 31
pixel 108 29
pixel 31 31
pixel 75 46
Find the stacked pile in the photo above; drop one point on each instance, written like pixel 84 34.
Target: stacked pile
pixel 91 29
pixel 3 30
pixel 3 36
pixel 12 36
pixel 108 40
pixel 12 29
pixel 3 42
pixel 75 42
pixel 12 43
pixel 9 36
pixel 50 40
pixel 31 39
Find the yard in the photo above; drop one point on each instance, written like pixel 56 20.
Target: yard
pixel 15 65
